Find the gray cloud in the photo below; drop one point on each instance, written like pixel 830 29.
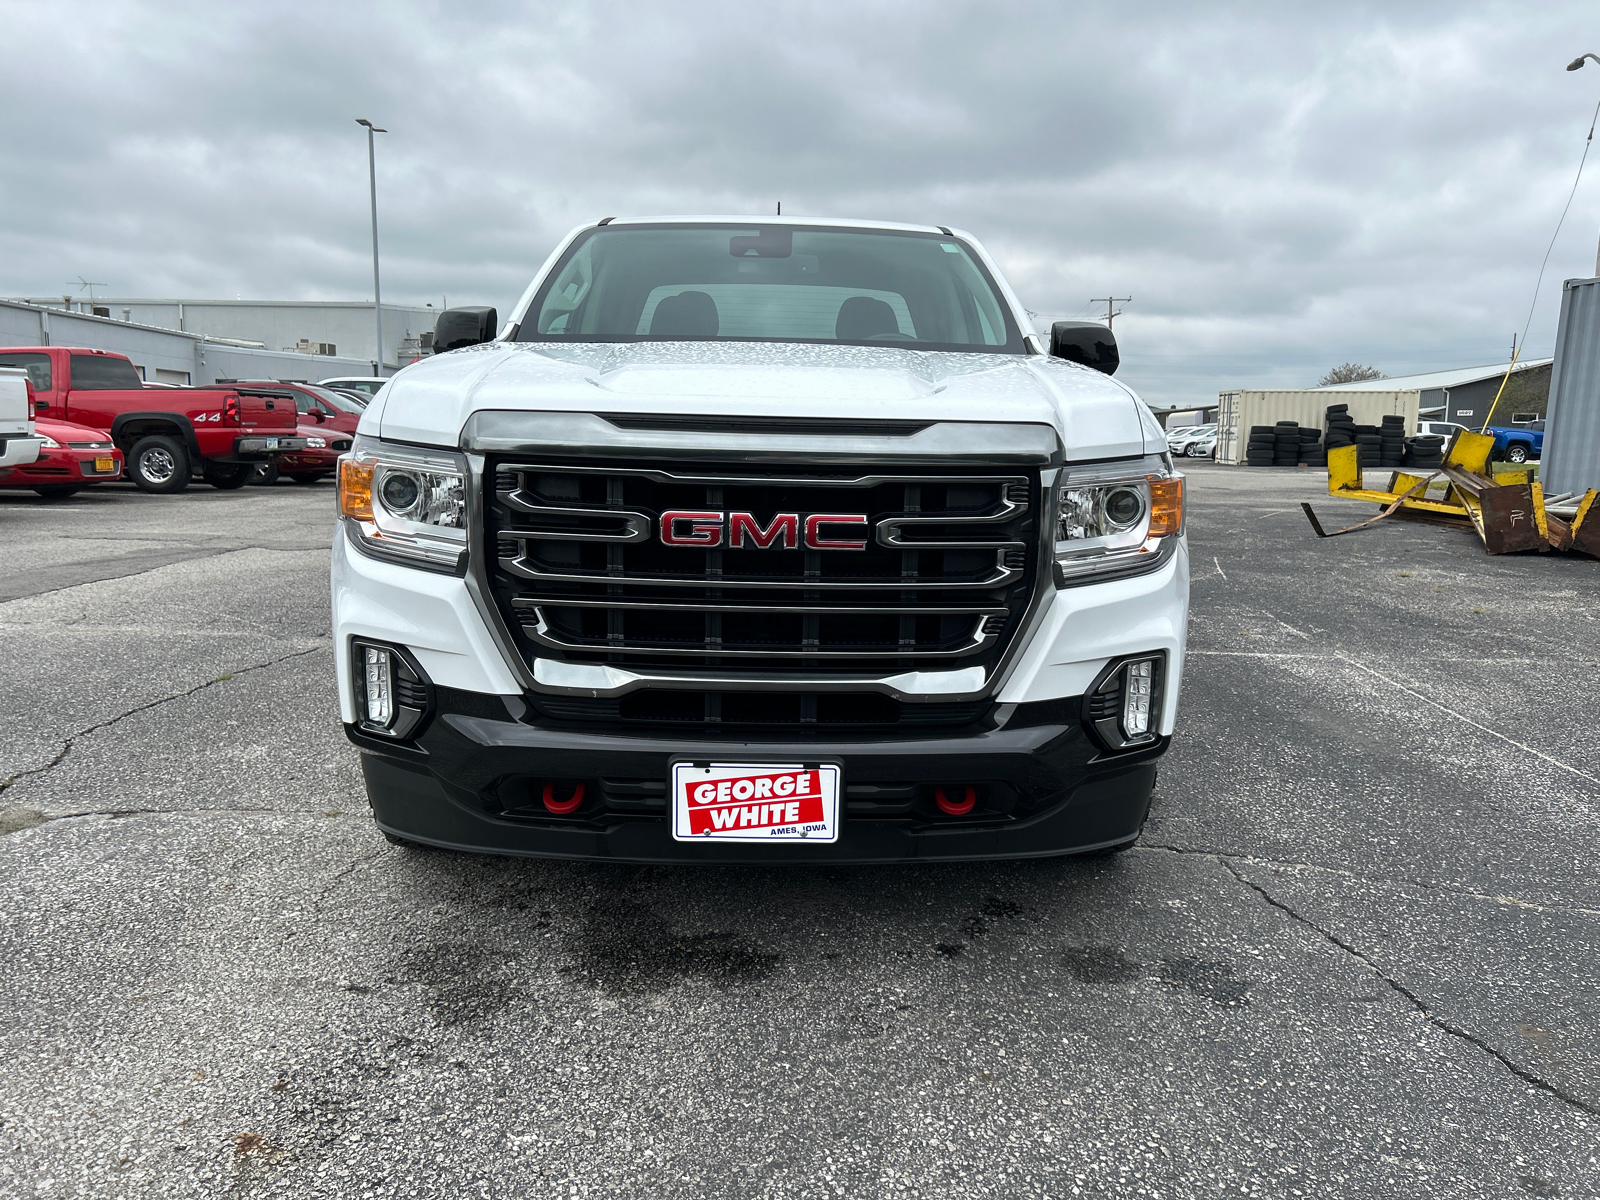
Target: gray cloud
pixel 1279 188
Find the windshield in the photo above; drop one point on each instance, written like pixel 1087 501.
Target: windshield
pixel 767 283
pixel 334 399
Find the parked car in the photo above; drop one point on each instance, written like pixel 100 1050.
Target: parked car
pixel 71 458
pixel 1197 441
pixel 316 461
pixel 323 406
pixel 1512 443
pixel 166 435
pixel 367 384
pixel 839 562
pixel 19 443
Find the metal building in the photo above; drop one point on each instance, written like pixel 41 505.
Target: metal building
pixel 326 327
pixel 1571 460
pixel 166 355
pixel 1465 395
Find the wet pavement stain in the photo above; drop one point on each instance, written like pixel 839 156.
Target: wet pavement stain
pixel 629 952
pixel 1215 981
pixel 465 982
pixel 1102 964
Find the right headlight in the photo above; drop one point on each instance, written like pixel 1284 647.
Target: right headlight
pixel 405 504
pixel 1112 521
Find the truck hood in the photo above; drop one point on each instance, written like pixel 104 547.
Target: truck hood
pixel 1094 416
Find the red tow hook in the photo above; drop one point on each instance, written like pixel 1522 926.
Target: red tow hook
pixel 561 807
pixel 949 807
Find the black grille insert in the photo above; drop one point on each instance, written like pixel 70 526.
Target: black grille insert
pixel 581 573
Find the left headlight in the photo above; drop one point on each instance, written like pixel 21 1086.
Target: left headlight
pixel 1111 521
pixel 316 443
pixel 405 504
pixel 48 443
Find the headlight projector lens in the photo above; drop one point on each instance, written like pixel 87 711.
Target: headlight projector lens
pixel 1124 508
pixel 401 491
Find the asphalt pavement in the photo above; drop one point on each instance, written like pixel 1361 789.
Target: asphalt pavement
pixel 1354 955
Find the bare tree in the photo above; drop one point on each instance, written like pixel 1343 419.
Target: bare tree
pixel 1350 373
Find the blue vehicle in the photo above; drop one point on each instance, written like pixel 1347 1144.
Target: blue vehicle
pixel 1512 443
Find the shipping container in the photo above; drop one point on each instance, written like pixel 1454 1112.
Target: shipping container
pixel 1571 460
pixel 1238 411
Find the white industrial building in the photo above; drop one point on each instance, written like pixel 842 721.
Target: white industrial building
pixel 331 328
pixel 167 355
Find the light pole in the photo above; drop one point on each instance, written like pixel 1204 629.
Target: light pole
pixel 1573 66
pixel 372 180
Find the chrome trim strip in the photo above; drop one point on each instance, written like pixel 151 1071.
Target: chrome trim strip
pixel 597 680
pixel 720 479
pixel 540 633
pixel 586 435
pixel 842 610
pixel 1003 576
pixel 639 526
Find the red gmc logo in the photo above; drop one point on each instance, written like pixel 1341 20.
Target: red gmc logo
pixel 680 528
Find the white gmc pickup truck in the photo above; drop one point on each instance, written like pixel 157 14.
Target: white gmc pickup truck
pixel 761 541
pixel 19 444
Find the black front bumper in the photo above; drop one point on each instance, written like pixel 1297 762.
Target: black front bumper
pixel 471 781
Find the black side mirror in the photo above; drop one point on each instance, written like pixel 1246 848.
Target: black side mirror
pixel 458 327
pixel 1086 343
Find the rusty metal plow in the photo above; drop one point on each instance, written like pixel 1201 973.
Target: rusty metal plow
pixel 1507 510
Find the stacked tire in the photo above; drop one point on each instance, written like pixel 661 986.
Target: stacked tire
pixel 1341 428
pixel 1311 450
pixel 1392 442
pixel 1258 451
pixel 1369 446
pixel 1425 452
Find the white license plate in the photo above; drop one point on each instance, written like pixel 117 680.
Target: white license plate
pixel 755 802
pixel 272 443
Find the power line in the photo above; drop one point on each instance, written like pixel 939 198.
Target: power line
pixel 1110 302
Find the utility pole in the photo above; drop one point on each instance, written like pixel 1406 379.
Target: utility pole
pixel 1112 312
pixel 372 180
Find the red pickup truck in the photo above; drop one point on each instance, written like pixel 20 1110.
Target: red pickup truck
pixel 166 435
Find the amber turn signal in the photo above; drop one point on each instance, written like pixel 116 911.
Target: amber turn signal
pixel 1166 505
pixel 355 489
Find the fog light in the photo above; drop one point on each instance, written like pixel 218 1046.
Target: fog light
pixel 1136 699
pixel 378 678
pixel 393 697
pixel 1123 706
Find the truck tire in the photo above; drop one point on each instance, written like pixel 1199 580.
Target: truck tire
pixel 57 492
pixel 264 473
pixel 227 476
pixel 1517 452
pixel 158 464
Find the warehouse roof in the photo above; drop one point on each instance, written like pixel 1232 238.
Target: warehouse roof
pixel 1433 379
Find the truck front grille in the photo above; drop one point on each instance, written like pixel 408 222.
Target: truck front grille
pixel 580 571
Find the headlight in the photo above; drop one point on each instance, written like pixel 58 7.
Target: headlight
pixel 405 504
pixel 48 443
pixel 316 443
pixel 1111 521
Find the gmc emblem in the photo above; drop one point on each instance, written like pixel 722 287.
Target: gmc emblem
pixel 783 532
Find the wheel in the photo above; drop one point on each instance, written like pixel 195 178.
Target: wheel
pixel 227 476
pixel 311 477
pixel 58 492
pixel 158 464
pixel 1193 450
pixel 265 473
pixel 1517 453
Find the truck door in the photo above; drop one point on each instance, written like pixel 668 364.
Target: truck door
pixel 37 364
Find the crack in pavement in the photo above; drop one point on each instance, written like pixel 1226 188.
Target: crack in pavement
pixel 1446 889
pixel 1522 1073
pixel 66 747
pixel 316 904
pixel 146 570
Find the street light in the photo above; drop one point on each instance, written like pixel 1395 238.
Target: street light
pixel 372 180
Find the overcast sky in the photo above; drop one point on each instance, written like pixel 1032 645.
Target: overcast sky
pixel 1278 187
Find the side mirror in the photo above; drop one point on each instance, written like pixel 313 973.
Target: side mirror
pixel 458 327
pixel 1086 343
pixel 318 415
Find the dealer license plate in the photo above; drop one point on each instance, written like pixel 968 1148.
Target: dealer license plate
pixel 755 802
pixel 104 465
pixel 272 443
